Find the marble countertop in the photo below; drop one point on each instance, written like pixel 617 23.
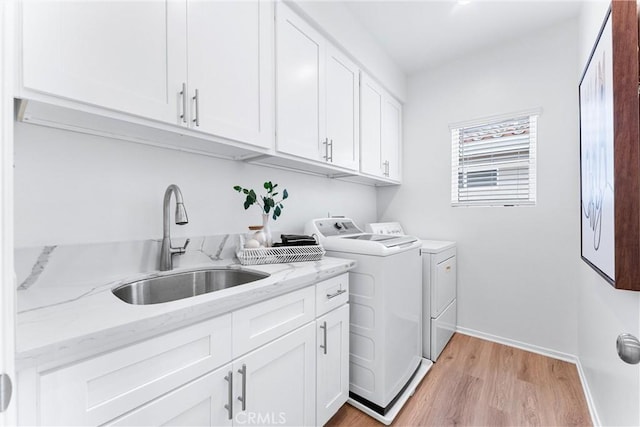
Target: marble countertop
pixel 67 320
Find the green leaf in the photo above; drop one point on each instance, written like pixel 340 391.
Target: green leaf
pixel 237 188
pixel 281 207
pixel 285 194
pixel 274 194
pixel 267 185
pixel 277 212
pixel 245 191
pixel 252 196
pixel 267 208
pixel 247 204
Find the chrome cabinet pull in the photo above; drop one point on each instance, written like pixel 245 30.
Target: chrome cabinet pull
pixel 324 332
pixel 229 406
pixel 326 149
pixel 243 398
pixel 183 116
pixel 196 98
pixel 386 168
pixel 336 293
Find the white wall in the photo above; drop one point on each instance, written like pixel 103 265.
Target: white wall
pixel 75 188
pixel 604 312
pixel 517 267
pixel 337 20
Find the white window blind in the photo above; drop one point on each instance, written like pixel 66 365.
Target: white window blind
pixel 494 162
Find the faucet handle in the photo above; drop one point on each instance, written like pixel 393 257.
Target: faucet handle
pixel 181 249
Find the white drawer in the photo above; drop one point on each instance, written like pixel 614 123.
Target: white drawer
pixel 332 293
pixel 260 323
pixel 99 389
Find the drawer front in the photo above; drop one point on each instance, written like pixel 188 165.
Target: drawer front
pixel 260 323
pixel 332 293
pixel 99 389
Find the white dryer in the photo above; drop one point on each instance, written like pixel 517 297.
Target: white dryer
pixel 385 293
pixel 439 278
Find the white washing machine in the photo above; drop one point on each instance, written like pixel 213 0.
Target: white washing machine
pixel 439 278
pixel 385 293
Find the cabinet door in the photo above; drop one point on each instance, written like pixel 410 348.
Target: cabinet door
pixel 300 124
pixel 279 381
pixel 332 363
pixel 391 138
pixel 199 403
pixel 128 56
pixel 371 101
pixel 230 64
pixel 343 117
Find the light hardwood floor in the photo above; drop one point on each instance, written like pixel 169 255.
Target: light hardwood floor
pixel 481 383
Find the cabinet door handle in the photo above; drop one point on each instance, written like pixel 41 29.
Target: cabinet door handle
pixel 229 406
pixel 183 116
pixel 326 149
pixel 324 333
pixel 336 293
pixel 386 168
pixel 243 398
pixel 196 98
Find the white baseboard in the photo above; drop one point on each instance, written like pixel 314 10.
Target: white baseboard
pixel 545 352
pixel 595 419
pixel 518 344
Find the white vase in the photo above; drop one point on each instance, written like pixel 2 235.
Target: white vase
pixel 267 230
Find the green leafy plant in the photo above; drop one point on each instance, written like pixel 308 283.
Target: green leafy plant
pixel 266 202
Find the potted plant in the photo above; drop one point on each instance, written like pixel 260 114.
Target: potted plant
pixel 268 204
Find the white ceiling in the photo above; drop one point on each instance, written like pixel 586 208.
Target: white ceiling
pixel 421 34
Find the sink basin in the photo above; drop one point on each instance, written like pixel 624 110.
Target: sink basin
pixel 183 285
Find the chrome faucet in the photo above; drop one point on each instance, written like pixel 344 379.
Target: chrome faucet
pixel 167 251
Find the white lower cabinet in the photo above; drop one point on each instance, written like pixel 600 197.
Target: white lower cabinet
pixel 270 363
pixel 276 384
pixel 332 363
pixel 199 403
pixel 273 385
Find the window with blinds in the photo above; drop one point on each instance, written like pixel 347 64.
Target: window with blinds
pixel 494 162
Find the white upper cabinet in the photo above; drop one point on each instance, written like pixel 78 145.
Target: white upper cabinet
pixel 316 95
pixel 230 63
pixel 342 109
pixel 371 126
pixel 300 86
pixel 151 58
pixel 125 56
pixel 381 132
pixel 391 138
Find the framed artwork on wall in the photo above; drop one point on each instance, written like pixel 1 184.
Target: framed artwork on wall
pixel 610 151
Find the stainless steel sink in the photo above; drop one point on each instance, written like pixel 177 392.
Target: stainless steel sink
pixel 183 285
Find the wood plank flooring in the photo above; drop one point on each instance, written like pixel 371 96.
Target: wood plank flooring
pixel 481 383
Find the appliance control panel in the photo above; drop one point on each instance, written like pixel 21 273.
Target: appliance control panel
pixel 328 227
pixel 393 228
